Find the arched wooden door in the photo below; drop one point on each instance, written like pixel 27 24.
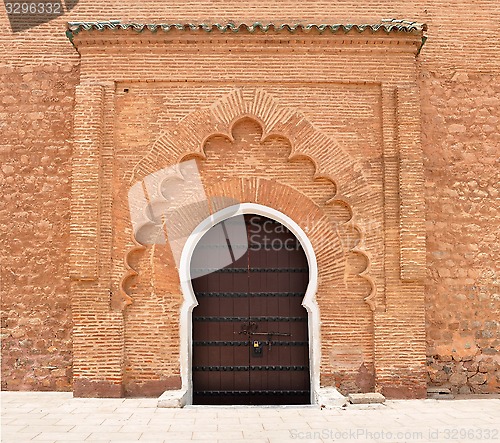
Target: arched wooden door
pixel 250 331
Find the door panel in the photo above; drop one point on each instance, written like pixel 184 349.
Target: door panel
pixel 257 298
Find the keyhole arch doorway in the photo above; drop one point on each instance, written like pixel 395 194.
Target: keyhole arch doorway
pixel 248 333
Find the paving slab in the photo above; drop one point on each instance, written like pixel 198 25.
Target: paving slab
pixel 58 417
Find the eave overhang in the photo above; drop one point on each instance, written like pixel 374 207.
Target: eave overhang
pixel 389 31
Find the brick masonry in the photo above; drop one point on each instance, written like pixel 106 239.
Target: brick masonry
pixel 447 309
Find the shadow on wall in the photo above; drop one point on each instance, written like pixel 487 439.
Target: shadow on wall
pixel 26 15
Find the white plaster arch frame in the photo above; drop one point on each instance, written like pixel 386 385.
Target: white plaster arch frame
pixel 190 302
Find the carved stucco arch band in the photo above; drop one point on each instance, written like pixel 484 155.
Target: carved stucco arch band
pixel 330 161
pixel 190 302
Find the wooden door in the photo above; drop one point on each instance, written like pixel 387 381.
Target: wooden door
pixel 250 331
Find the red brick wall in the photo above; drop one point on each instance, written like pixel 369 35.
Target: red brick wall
pixel 460 140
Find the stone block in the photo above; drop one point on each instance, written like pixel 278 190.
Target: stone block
pixel 368 398
pixel 329 398
pixel 173 399
pixel 458 379
pixel 478 379
pixel 465 390
pixel 488 365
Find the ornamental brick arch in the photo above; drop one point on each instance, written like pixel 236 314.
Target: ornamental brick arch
pixel 345 285
pixel 192 135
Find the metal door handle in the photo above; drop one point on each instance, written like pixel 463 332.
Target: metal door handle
pixel 283 334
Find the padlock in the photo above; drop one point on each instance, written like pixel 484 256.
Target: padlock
pixel 257 347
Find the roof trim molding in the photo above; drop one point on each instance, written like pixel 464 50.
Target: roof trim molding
pixel 387 25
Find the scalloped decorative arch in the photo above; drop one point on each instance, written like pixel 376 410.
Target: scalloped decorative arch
pixel 330 161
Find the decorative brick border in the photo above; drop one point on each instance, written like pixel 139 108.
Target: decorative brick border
pixel 411 184
pixel 85 201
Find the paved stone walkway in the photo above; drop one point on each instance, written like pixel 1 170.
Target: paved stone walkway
pixel 58 417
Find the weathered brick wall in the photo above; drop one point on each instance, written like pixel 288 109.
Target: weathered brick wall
pixel 461 120
pixel 460 139
pixel 37 103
